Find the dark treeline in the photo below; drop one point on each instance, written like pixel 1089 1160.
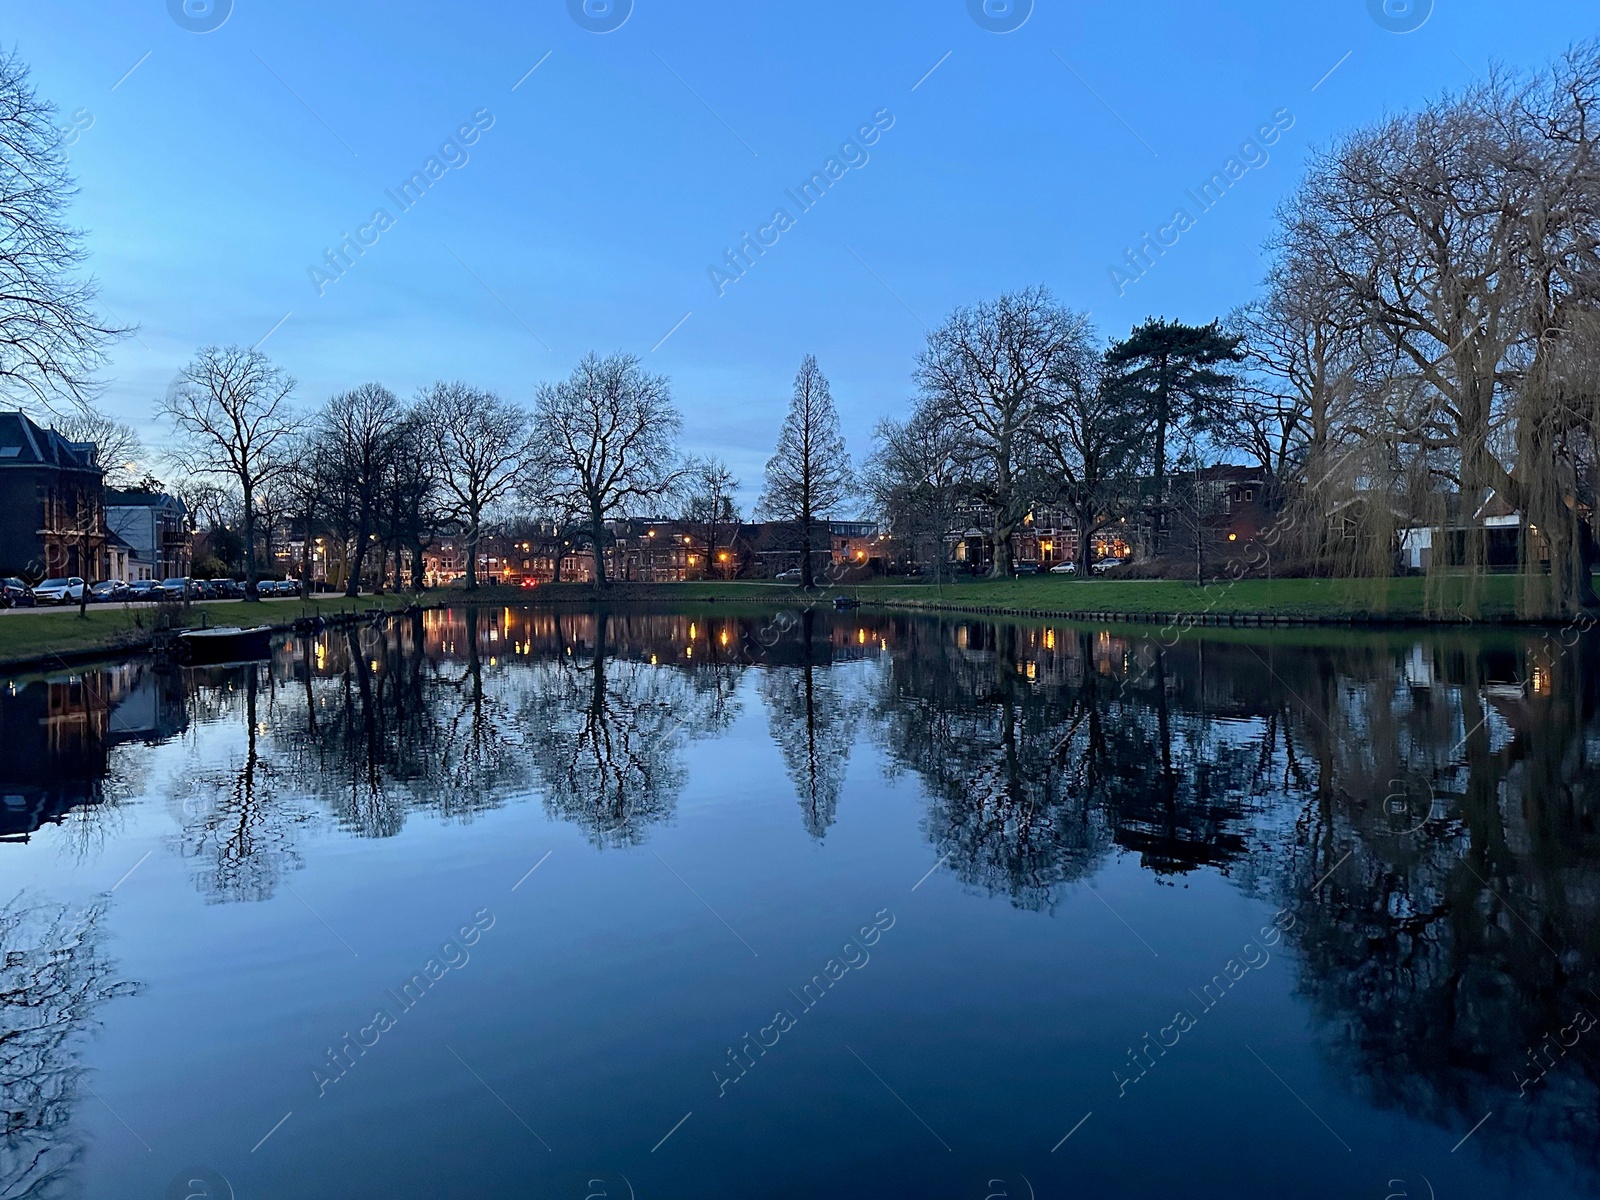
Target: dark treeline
pixel 1414 388
pixel 1417 374
pixel 1414 385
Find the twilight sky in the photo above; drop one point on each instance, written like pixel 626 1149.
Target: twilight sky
pixel 609 173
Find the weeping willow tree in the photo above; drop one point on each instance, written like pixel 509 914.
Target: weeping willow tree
pixel 1455 249
pixel 1557 435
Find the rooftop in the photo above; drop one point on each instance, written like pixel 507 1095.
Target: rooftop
pixel 24 443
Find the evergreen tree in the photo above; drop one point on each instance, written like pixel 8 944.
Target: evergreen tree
pixel 809 476
pixel 1175 378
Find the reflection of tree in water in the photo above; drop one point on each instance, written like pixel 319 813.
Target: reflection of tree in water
pixel 606 734
pixel 1429 811
pixel 238 818
pixel 1039 760
pixel 1006 775
pixel 813 710
pixel 367 730
pixel 52 978
pixel 382 729
pixel 1437 957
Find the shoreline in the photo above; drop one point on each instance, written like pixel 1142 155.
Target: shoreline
pixel 125 631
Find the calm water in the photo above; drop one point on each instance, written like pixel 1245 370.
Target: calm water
pixel 518 904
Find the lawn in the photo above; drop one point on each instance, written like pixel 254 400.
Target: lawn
pixel 1406 598
pixel 34 634
pixel 1326 598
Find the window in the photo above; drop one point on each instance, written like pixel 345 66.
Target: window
pixel 1249 494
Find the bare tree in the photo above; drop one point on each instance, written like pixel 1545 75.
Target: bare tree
pixel 989 371
pixel 1464 238
pixel 709 507
pixel 305 488
pixel 54 977
pixel 51 340
pixel 1090 447
pixel 121 450
pixel 612 431
pixel 230 407
pixel 809 476
pixel 361 430
pixel 482 445
pixel 916 477
pixel 412 495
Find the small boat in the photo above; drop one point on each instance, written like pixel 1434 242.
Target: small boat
pixel 844 602
pixel 225 644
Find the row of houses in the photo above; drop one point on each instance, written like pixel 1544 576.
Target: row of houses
pixel 58 518
pixel 663 550
pixel 1230 504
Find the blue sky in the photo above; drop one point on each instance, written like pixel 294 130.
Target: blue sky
pixel 617 173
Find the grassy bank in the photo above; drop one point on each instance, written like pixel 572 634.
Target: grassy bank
pixel 55 635
pixel 1408 599
pixel 1305 599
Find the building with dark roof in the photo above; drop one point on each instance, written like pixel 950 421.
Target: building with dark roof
pixel 156 526
pixel 52 503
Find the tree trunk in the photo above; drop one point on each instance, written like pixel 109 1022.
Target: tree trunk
pixel 1080 555
pixel 807 582
pixel 597 533
pixel 1000 547
pixel 251 576
pixel 305 560
pixel 352 585
pixel 472 549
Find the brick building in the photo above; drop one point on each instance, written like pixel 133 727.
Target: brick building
pixel 52 503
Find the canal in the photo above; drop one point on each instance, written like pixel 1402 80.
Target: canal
pixel 514 902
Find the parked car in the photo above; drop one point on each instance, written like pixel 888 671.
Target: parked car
pixel 1026 568
pixel 109 591
pixel 60 591
pixel 229 589
pixel 792 575
pixel 1106 564
pixel 142 589
pixel 175 588
pixel 1066 568
pixel 14 593
pixel 205 589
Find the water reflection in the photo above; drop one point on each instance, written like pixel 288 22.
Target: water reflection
pixel 813 713
pixel 53 979
pixel 1425 805
pixel 59 734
